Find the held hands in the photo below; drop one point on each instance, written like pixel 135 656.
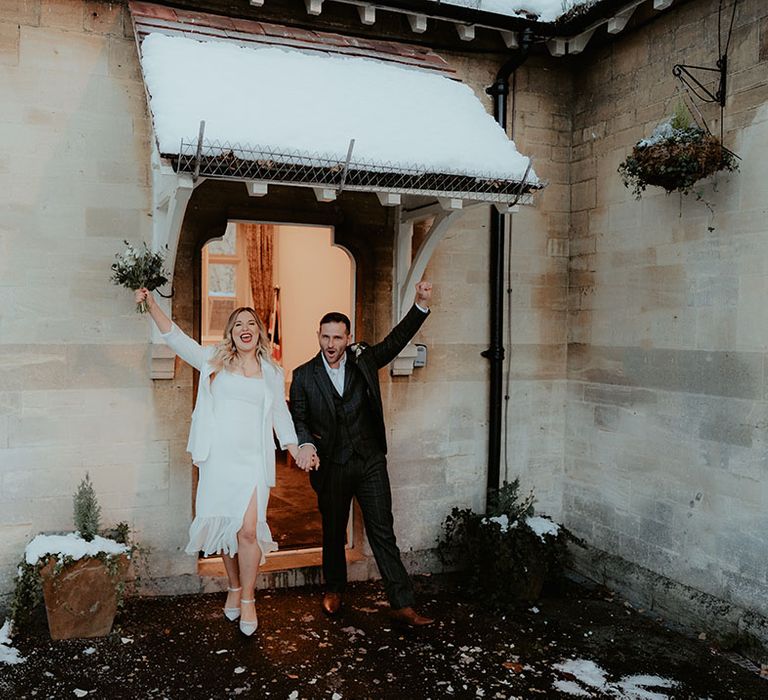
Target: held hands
pixel 424 293
pixel 307 459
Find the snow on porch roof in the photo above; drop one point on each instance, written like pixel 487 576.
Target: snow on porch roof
pixel 285 109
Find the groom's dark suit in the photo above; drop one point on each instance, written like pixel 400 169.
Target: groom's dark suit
pixel 349 435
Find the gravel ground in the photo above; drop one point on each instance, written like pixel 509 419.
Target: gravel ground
pixel 582 643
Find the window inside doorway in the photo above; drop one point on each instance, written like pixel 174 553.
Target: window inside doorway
pixel 225 283
pixel 291 275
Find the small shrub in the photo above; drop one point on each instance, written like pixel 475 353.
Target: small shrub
pixel 502 560
pixel 28 592
pixel 87 511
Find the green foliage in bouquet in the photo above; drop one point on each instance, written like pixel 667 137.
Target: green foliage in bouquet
pixel 135 269
pixel 502 561
pixel 87 510
pixel 675 157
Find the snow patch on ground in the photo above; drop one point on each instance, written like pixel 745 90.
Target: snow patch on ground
pixel 8 655
pixel 590 677
pixel 70 545
pixel 571 688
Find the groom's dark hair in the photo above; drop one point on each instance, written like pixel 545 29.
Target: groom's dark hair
pixel 337 317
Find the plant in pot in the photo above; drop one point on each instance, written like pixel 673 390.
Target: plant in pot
pixel 81 575
pixel 506 555
pixel 675 157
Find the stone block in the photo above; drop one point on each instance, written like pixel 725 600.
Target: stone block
pixel 41 483
pixel 123 60
pixel 555 198
pixel 9 44
pixel 62 14
pixel 536 135
pixel 20 12
pixel 107 221
pixel 57 51
pixel 105 18
pixel 538 119
pixel 583 195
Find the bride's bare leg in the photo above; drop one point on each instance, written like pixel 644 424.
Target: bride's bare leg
pixel 248 559
pixel 233 578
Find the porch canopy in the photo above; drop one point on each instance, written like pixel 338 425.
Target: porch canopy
pixel 292 106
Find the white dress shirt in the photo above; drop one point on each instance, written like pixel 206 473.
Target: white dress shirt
pixel 336 374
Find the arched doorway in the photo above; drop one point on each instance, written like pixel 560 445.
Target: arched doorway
pixel 292 275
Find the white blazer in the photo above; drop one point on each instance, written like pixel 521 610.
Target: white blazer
pixel 276 414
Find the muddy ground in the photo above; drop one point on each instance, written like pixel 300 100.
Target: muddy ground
pixel 182 647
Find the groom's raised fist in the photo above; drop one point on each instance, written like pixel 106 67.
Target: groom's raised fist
pixel 423 293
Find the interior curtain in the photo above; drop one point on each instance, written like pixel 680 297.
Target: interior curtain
pixel 259 238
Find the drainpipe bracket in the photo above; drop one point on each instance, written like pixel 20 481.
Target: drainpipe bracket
pixel 493 354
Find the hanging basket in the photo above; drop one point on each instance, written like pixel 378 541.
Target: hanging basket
pixel 675 159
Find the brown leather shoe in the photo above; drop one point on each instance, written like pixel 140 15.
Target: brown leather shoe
pixel 408 616
pixel 331 603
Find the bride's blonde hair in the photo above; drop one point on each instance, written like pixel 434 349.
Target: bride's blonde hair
pixel 226 352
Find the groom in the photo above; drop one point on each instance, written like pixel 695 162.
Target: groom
pixel 336 407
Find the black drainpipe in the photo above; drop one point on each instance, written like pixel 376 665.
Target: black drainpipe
pixel 495 353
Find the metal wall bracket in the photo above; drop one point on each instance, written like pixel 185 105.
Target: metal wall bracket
pixel 683 73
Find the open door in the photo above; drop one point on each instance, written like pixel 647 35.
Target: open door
pixel 311 276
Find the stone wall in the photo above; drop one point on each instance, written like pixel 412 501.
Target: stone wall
pixel 439 421
pixel 75 393
pixel 667 420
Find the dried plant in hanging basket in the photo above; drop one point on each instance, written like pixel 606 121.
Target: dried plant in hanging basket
pixel 675 159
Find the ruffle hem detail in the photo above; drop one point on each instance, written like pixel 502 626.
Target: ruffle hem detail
pixel 218 535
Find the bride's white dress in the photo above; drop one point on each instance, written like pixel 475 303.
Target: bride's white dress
pixel 234 470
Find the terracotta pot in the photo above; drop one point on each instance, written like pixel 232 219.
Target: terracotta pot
pixel 81 600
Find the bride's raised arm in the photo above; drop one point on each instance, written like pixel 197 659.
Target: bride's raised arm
pixel 164 323
pixel 185 347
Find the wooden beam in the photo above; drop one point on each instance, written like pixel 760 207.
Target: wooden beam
pixel 388 199
pixel 616 24
pixel 314 7
pixel 450 203
pixel 510 39
pixel 257 188
pixel 578 43
pixel 403 254
pixel 367 14
pixel 418 23
pixel 506 208
pixel 466 31
pixel 324 194
pixel 407 291
pixel 557 46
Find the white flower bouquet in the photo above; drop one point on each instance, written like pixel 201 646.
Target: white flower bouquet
pixel 135 269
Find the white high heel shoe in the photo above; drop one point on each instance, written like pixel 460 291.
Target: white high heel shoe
pixel 232 613
pixel 248 628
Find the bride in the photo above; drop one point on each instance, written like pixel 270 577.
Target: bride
pixel 240 400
